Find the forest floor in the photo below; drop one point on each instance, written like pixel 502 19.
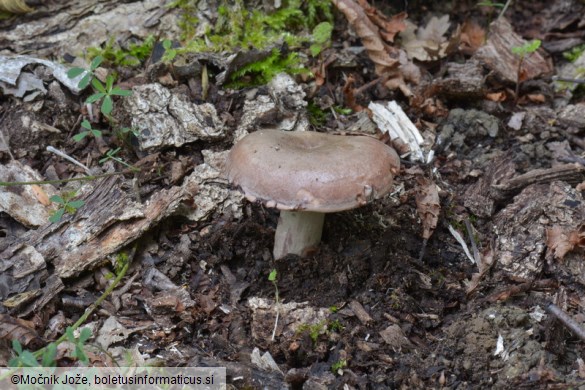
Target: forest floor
pixel 389 299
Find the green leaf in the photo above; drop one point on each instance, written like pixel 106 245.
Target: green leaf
pixel 49 354
pixel 96 133
pixel 74 72
pixel 57 199
pixel 79 354
pixel 322 32
pixel 80 136
pixel 120 92
pixel 76 204
pixel 84 82
pixel 107 105
pixel 17 346
pixel 98 85
pixel 86 125
pixel 69 334
pixel 96 62
pixel 28 359
pixel 95 97
pixel 109 82
pixel 84 335
pixel 272 275
pixel 56 216
pixel 167 44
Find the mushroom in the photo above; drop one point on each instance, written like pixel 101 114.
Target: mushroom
pixel 307 174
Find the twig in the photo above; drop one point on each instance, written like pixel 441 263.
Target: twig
pixel 568 79
pixel 567 320
pixel 472 240
pixel 68 158
pixel 84 178
pixel 505 8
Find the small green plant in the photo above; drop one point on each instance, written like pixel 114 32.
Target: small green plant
pixel 527 48
pixel 333 309
pixel 335 326
pixel 106 92
pixel 111 155
pixel 575 52
pixel 523 51
pixel 314 330
pixel 67 205
pixel 88 130
pixel 272 278
pixel 321 38
pixel 170 51
pixel 89 75
pixel 338 366
pixel 79 343
pixel 25 358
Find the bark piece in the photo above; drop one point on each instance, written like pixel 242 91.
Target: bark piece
pixel 26 204
pixel 360 312
pixel 521 227
pixel 149 108
pixel 109 220
pixel 497 54
pixel 477 198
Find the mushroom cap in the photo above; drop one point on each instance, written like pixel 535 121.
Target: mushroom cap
pixel 311 171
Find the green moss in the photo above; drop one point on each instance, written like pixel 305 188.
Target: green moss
pixel 261 72
pixel 117 56
pixel 296 24
pixel 574 53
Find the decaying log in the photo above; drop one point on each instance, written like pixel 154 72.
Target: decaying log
pixel 570 173
pixel 109 220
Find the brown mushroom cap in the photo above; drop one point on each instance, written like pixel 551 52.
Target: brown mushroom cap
pixel 311 171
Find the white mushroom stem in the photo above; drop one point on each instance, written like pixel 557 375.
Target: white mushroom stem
pixel 296 232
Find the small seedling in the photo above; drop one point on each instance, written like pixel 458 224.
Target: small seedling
pixel 337 367
pixel 522 51
pixel 335 326
pixel 89 75
pixel 26 358
pixel 527 48
pixel 321 38
pixel 106 92
pixel 111 155
pixel 79 343
pixel 170 51
pixel 314 330
pixel 67 205
pixel 88 130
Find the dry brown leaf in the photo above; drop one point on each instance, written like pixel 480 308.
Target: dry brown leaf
pixel 473 37
pixel 15 6
pixel 561 242
pixel 496 96
pixel 484 265
pixel 21 330
pixel 428 43
pixel 428 205
pixel 389 26
pixel 369 34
